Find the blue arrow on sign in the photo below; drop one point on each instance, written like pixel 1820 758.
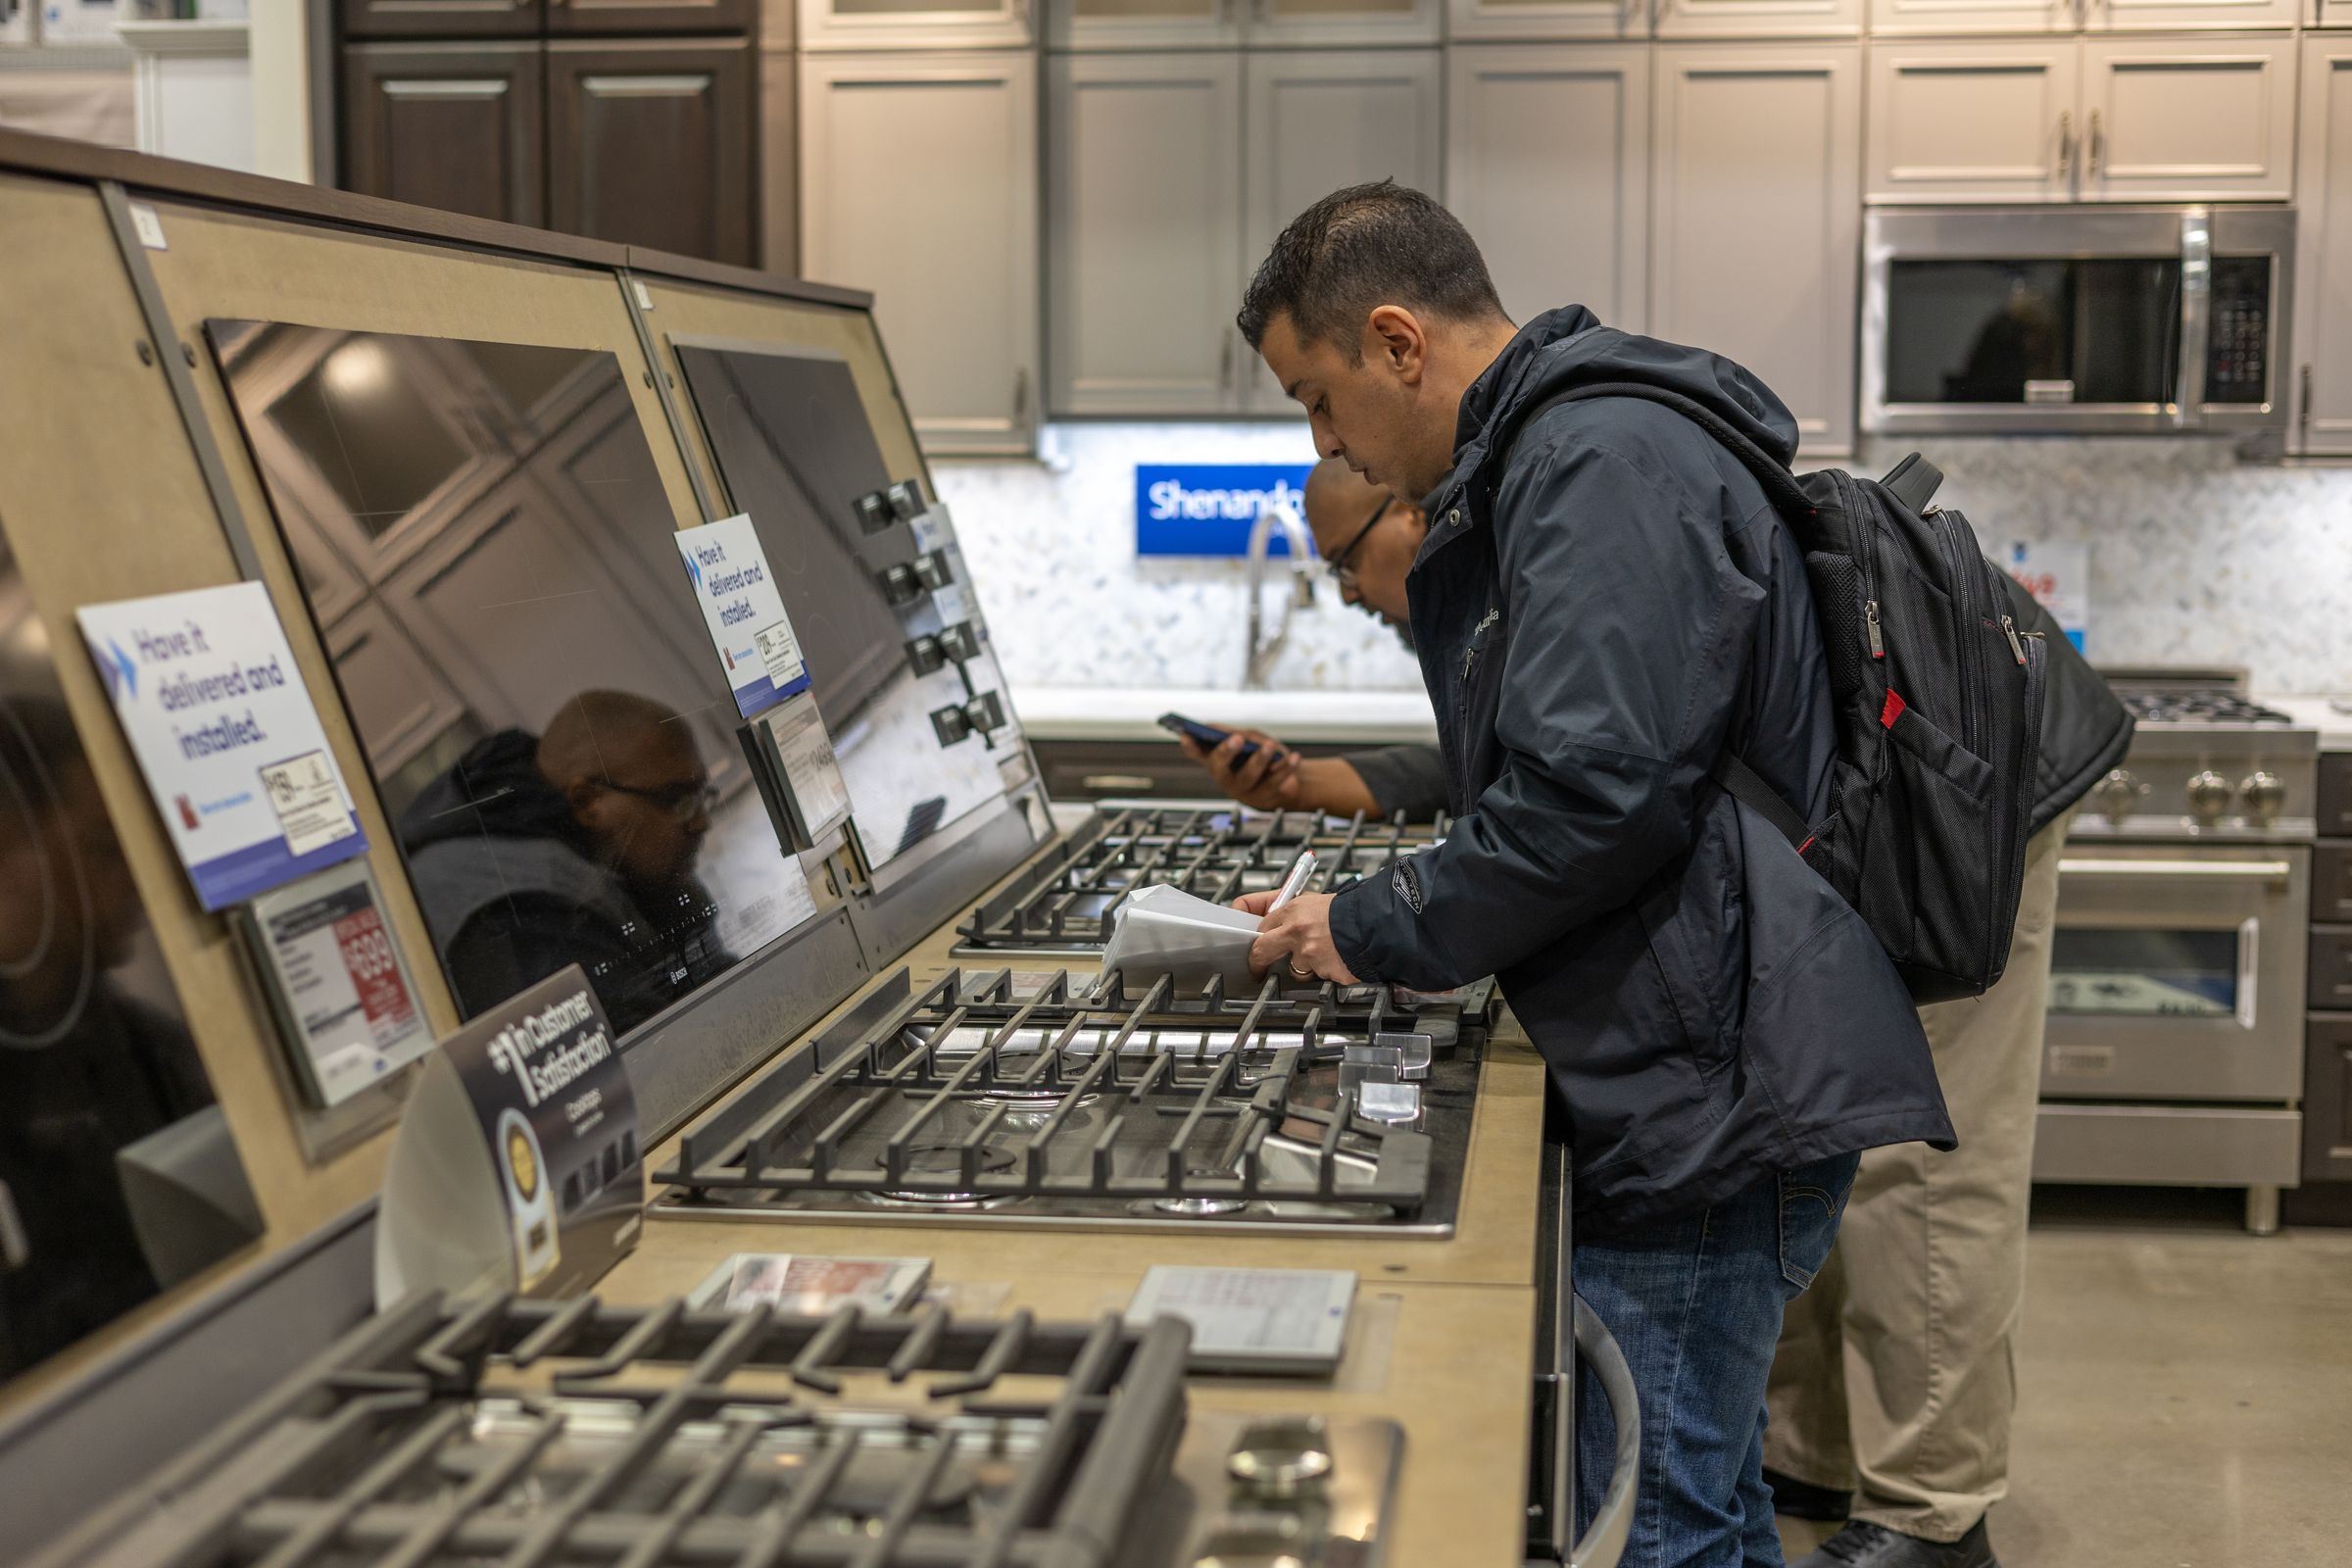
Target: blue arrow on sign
pixel 122 670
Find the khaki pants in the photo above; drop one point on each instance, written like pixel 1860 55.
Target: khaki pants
pixel 1896 1372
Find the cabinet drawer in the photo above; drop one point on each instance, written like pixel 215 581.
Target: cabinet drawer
pixel 2331 967
pixel 2336 795
pixel 2328 1102
pixel 2332 883
pixel 443 19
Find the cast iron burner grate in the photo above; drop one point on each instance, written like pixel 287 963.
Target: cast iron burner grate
pixel 2164 707
pixel 1065 901
pixel 557 1435
pixel 972 1091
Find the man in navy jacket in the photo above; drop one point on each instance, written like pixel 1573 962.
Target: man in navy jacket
pixel 1603 603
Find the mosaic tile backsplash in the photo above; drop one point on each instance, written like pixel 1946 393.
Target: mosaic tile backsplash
pixel 2194 557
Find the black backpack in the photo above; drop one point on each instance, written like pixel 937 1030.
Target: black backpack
pixel 1939 711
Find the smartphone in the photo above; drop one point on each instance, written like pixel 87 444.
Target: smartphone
pixel 1208 736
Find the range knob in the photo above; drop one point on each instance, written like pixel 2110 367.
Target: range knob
pixel 2265 794
pixel 2119 791
pixel 2209 795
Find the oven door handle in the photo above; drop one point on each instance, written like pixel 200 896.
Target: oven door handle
pixel 2249 956
pixel 2214 870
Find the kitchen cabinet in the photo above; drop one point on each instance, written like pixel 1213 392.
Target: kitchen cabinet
pixel 442 19
pixel 1144 246
pixel 1897 18
pixel 918 181
pixel 2335 13
pixel 2174 16
pixel 2328 1101
pixel 461 127
pixel 1539 20
pixel 2176 120
pixel 1213 24
pixel 1547 164
pixel 919 25
pixel 779 162
pixel 1755 217
pixel 2081 119
pixel 605 16
pixel 2323 325
pixel 650 143
pixel 1316 122
pixel 1972 122
pixel 1760 19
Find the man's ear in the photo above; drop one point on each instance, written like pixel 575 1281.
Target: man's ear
pixel 1395 334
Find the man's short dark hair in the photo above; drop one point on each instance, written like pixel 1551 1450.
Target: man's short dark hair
pixel 1359 248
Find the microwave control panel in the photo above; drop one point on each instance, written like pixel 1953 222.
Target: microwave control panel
pixel 2237 357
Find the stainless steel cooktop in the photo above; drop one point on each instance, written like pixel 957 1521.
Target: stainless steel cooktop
pixel 1038 1098
pixel 2207 764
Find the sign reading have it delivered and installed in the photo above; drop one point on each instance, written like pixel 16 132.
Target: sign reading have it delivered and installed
pixel 1205 509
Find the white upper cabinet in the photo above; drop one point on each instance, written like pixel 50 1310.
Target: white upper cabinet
pixel 915 23
pixel 1213 24
pixel 919 180
pixel 1547 164
pixel 1756 217
pixel 1760 19
pixel 1539 20
pixel 1322 119
pixel 1972 122
pixel 2174 121
pixel 2142 15
pixel 1143 232
pixel 2321 369
pixel 2335 12
pixel 1893 18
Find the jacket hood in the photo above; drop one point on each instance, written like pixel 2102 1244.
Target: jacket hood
pixel 1568 348
pixel 496 791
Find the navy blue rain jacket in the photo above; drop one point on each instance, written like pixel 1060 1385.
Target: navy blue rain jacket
pixel 1598 614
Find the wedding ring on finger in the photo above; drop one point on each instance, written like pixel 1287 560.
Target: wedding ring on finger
pixel 1298 974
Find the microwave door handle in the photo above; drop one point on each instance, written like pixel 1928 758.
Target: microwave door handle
pixel 2196 317
pixel 2249 958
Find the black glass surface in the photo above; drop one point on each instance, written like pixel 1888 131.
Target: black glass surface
pixel 2141 973
pixel 793 443
pixel 485 543
pixel 1977 331
pixel 118 1174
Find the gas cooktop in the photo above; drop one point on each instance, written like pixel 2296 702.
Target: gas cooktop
pixel 564 1434
pixel 1060 906
pixel 1031 1098
pixel 2198 708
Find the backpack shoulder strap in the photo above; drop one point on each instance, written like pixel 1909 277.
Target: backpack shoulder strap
pixel 1787 498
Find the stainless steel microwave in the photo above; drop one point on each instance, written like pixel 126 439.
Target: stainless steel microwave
pixel 2077 319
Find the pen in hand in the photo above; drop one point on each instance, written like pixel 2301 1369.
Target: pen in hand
pixel 1302 870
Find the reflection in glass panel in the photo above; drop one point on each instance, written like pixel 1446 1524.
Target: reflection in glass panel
pixel 117 1165
pixel 1977 331
pixel 792 440
pixel 2133 972
pixel 532 680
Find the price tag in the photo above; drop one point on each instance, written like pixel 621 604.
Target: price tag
pixel 148 227
pixel 344 999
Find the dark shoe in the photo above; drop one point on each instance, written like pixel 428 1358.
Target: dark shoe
pixel 1802 1500
pixel 1861 1544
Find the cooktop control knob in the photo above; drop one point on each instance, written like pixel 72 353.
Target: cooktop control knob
pixel 2209 795
pixel 2265 794
pixel 2119 791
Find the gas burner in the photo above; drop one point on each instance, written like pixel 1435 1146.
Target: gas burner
pixel 2198 708
pixel 1064 904
pixel 1023 1099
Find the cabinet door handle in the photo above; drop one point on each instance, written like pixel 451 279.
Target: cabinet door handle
pixel 2066 144
pixel 1020 395
pixel 2091 151
pixel 1115 783
pixel 2303 414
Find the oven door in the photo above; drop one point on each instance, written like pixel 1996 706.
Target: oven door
pixel 2176 974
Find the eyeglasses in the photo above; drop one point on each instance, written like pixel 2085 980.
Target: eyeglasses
pixel 683 802
pixel 1339 563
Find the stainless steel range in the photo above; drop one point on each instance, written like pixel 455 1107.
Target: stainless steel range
pixel 565 1432
pixel 2175 1045
pixel 1061 905
pixel 1032 1097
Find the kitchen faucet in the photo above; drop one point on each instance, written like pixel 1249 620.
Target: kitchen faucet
pixel 1302 595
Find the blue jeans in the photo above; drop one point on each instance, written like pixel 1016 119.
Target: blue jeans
pixel 1696 1303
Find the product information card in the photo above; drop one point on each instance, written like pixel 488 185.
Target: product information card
pixel 744 613
pixel 345 999
pixel 223 727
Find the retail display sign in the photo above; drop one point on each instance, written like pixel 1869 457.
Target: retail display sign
pixel 517 1166
pixel 216 710
pixel 1207 508
pixel 744 613
pixel 345 1000
pixel 2058 576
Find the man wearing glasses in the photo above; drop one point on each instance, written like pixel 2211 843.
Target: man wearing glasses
pixel 1367 539
pixel 576 846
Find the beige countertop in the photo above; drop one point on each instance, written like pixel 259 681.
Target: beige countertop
pixel 1303 718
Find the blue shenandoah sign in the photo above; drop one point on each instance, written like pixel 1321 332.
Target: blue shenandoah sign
pixel 1205 509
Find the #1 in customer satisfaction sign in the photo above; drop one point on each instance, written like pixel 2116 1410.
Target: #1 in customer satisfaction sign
pixel 215 709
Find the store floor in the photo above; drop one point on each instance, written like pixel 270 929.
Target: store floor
pixel 2185 1390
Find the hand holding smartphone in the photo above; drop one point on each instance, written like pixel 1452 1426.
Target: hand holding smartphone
pixel 1206 736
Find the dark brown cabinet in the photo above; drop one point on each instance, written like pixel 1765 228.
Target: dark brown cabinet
pixel 649 142
pixel 648 16
pixel 442 19
pixel 461 127
pixel 2328 1102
